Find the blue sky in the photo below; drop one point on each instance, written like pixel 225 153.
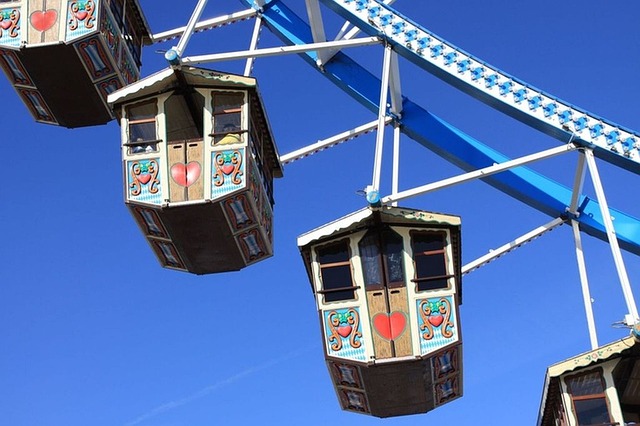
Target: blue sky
pixel 93 331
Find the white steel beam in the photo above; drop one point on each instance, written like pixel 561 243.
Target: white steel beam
pixel 578 184
pixel 191 25
pixel 613 240
pixel 253 46
pixel 382 115
pixel 205 25
pixel 274 51
pixel 346 34
pixel 493 254
pixel 317 27
pixel 395 182
pixel 329 142
pixel 481 173
pixel 584 281
pixel 395 90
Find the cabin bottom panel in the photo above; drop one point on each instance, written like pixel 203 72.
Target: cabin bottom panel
pixel 74 105
pixel 195 238
pixel 399 387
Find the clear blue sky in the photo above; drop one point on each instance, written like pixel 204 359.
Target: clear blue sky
pixel 94 332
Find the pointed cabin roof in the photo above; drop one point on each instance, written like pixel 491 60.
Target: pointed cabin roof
pixel 363 217
pixel 369 216
pixel 586 359
pixel 191 77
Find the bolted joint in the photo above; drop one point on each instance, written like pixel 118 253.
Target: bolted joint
pixel 172 56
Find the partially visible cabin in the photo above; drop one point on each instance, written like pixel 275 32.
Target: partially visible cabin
pixel 599 387
pixel 63 57
pixel 387 284
pixel 199 161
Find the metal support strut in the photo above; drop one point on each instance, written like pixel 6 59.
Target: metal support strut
pixel 174 54
pixel 632 318
pixel 373 191
pixel 582 266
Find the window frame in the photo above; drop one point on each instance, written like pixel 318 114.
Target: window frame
pixel 150 142
pixel 445 257
pixel 243 130
pixel 327 291
pixel 595 396
pixel 380 235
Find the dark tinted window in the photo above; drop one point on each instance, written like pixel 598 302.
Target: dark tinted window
pixel 587 392
pixel 227 117
pixel 381 251
pixel 142 127
pixel 430 261
pixel 335 272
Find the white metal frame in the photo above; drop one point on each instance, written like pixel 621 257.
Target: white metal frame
pixel 390 87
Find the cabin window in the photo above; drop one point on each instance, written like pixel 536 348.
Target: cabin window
pixel 142 128
pixel 227 118
pixel 381 253
pixel 335 272
pixel 430 260
pixel 588 396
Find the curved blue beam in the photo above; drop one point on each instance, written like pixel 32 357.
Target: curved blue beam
pixel 450 143
pixel 542 111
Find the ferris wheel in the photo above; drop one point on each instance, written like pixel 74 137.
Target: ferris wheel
pixel 576 129
pixel 368 24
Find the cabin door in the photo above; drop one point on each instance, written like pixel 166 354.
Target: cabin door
pixel 185 146
pixel 381 253
pixel 185 169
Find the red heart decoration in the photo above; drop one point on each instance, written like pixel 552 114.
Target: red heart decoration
pixel 81 15
pixel 144 178
pixel 43 20
pixel 344 330
pixel 5 24
pixel 390 326
pixel 436 320
pixel 185 174
pixel 227 168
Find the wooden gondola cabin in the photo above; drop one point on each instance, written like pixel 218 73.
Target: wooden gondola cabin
pixel 64 57
pixel 599 387
pixel 387 287
pixel 199 162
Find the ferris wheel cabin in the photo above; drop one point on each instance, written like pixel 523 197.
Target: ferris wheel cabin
pixel 199 162
pixel 64 57
pixel 387 283
pixel 600 387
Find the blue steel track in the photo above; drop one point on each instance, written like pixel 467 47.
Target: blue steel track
pixel 460 149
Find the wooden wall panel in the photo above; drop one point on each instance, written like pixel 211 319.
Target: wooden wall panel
pixel 398 303
pixel 45 18
pixel 195 167
pixel 377 301
pixel 176 158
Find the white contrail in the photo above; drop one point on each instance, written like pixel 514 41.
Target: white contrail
pixel 209 389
